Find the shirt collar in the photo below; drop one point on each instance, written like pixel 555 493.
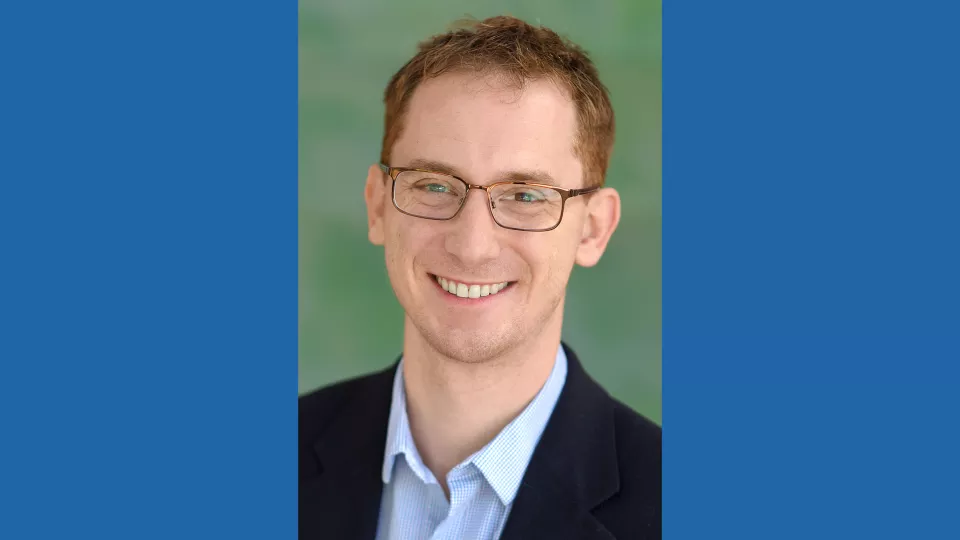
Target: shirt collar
pixel 399 437
pixel 503 460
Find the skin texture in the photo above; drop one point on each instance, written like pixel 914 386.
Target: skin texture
pixel 472 366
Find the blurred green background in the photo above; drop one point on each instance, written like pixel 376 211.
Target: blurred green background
pixel 350 321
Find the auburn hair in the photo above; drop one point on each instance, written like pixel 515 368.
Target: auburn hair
pixel 516 52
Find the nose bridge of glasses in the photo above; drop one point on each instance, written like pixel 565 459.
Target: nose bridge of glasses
pixel 466 192
pixel 483 195
pixel 477 187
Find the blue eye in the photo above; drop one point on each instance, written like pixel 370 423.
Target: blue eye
pixel 437 188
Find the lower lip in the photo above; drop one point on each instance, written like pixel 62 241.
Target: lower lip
pixel 470 301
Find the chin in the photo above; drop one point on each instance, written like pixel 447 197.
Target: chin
pixel 469 346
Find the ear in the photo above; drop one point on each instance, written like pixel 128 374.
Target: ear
pixel 601 219
pixel 373 194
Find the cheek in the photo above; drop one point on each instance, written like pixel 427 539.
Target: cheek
pixel 392 244
pixel 403 242
pixel 551 262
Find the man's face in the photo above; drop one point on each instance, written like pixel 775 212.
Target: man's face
pixel 482 132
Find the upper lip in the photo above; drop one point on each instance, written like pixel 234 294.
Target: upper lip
pixel 472 282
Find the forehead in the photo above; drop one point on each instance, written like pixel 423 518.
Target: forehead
pixel 484 128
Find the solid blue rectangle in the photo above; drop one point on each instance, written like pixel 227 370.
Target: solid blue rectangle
pixel 810 324
pixel 148 216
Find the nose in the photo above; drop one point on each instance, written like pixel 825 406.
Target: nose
pixel 473 233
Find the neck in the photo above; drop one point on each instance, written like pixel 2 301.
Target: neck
pixel 456 408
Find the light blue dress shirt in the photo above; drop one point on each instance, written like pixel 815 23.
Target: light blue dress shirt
pixel 482 487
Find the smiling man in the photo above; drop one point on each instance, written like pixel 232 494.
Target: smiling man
pixel 490 188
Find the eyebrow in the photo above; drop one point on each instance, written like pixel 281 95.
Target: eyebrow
pixel 535 176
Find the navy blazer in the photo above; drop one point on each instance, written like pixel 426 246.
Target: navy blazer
pixel 595 473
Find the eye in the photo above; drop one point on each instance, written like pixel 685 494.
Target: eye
pixel 527 196
pixel 436 188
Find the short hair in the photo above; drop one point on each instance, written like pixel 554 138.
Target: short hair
pixel 517 52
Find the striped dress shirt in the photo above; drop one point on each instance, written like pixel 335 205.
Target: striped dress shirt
pixel 482 487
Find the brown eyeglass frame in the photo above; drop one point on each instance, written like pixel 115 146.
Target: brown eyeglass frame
pixel 394 172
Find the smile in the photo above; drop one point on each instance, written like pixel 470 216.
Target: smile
pixel 470 290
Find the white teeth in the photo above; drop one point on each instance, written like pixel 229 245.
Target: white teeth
pixel 470 291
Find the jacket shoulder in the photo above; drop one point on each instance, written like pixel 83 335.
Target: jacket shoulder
pixel 316 409
pixel 639 439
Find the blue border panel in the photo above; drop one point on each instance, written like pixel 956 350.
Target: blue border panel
pixel 811 329
pixel 148 231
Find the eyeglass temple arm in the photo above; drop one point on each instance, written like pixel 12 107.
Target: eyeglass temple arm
pixel 584 191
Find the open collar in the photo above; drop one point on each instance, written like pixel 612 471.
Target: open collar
pixel 504 459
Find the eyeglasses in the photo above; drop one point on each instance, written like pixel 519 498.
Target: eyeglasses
pixel 521 206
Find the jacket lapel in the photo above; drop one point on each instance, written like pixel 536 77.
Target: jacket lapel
pixel 573 469
pixel 342 499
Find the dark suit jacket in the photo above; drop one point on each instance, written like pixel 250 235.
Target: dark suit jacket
pixel 595 473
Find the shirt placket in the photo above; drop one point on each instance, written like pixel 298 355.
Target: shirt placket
pixel 463 482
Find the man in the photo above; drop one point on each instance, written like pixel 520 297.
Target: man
pixel 490 189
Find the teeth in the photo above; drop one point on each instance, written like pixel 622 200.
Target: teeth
pixel 470 291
